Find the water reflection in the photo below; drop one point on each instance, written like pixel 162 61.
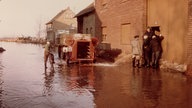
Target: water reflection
pixel 24 84
pixel 48 81
pixel 76 84
pixel 189 98
pixel 80 78
pixel 151 87
pixel 1 81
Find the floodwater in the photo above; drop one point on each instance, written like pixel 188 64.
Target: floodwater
pixel 24 83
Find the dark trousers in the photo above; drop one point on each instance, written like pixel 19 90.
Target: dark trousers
pixel 49 56
pixel 136 61
pixel 146 58
pixel 155 59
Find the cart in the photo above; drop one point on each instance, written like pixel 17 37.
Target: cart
pixel 79 48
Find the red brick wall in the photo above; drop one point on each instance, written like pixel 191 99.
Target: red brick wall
pixel 188 50
pixel 115 13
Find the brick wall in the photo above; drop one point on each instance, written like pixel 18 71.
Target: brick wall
pixel 117 12
pixel 188 50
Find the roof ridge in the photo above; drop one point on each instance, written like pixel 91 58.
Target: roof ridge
pixel 57 15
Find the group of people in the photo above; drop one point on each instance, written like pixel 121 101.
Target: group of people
pixel 145 55
pixel 150 52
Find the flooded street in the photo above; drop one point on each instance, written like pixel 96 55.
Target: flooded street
pixel 24 83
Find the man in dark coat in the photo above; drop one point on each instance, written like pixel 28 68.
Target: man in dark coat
pixel 149 33
pixel 160 38
pixel 156 50
pixel 146 51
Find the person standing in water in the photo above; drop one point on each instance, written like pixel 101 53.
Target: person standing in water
pixel 48 54
pixel 136 51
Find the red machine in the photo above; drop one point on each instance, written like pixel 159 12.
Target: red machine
pixel 80 47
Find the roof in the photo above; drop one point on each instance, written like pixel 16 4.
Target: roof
pixel 88 9
pixel 60 13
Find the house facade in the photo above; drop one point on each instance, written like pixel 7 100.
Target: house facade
pixel 63 23
pixel 122 19
pixel 88 22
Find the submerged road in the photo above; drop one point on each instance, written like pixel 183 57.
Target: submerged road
pixel 25 84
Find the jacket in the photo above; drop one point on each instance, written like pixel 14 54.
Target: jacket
pixel 136 48
pixel 155 44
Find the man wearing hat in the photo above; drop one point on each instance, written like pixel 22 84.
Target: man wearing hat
pixel 136 51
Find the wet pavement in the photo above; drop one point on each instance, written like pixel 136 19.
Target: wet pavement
pixel 24 83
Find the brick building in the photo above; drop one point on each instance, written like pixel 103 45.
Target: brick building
pixel 188 39
pixel 122 19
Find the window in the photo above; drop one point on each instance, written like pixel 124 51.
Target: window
pixel 49 27
pixel 125 33
pixel 87 31
pixel 91 31
pixel 104 33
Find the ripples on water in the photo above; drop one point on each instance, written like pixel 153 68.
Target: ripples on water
pixel 25 84
pixel 104 64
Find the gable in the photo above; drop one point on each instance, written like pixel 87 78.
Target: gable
pixel 65 16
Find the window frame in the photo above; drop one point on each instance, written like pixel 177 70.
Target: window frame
pixel 125 37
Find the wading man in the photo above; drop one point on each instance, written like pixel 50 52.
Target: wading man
pixel 48 54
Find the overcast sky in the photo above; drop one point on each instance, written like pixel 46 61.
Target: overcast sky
pixel 22 17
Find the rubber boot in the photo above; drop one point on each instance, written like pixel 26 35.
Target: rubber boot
pixel 138 64
pixel 148 64
pixel 133 62
pixel 45 65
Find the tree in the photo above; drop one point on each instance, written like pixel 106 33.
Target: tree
pixel 40 30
